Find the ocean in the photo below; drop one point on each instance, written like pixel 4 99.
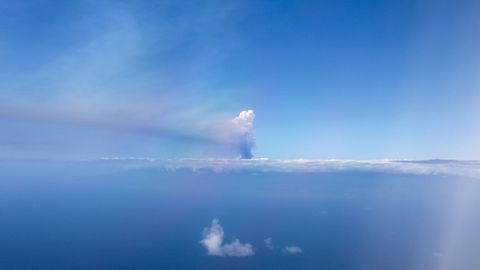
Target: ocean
pixel 120 214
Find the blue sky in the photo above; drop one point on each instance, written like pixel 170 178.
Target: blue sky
pixel 326 79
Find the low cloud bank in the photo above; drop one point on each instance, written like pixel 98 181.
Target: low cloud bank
pixel 213 237
pixel 425 167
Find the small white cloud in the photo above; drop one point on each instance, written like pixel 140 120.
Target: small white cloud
pixel 292 249
pixel 269 243
pixel 213 241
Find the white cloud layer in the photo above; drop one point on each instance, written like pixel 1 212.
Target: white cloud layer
pixel 213 237
pixel 428 167
pixel 292 249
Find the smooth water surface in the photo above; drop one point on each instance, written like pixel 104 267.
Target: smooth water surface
pixel 93 215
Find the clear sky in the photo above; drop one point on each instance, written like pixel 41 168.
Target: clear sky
pixel 326 79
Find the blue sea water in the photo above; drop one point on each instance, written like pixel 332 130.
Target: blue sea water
pixel 94 215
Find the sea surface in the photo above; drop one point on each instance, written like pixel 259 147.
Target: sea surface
pixel 113 215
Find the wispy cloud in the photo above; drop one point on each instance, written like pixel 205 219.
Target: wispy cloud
pixel 268 243
pixel 292 249
pixel 286 249
pixel 213 241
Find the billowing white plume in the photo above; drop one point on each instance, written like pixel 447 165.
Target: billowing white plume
pixel 244 135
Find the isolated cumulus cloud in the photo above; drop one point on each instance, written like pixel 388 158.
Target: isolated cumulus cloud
pixel 243 135
pixel 213 237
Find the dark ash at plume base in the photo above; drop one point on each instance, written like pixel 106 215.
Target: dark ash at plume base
pixel 246 151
